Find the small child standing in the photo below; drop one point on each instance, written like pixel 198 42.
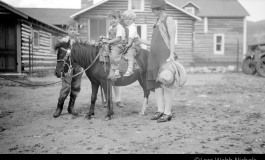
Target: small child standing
pixel 116 38
pixel 69 84
pixel 133 40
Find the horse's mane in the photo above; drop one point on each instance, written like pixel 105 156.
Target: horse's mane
pixel 84 54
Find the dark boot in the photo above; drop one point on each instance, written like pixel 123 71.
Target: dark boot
pixel 71 109
pixel 59 109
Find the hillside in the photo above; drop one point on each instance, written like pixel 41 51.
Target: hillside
pixel 256 32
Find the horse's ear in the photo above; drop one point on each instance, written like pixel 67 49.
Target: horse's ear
pixel 58 45
pixel 61 44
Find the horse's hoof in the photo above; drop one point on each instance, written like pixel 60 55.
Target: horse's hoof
pixel 107 118
pixel 57 113
pixel 142 113
pixel 88 117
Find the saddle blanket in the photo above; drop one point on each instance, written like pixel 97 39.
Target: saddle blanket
pixel 122 64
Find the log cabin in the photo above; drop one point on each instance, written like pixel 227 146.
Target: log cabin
pixel 26 43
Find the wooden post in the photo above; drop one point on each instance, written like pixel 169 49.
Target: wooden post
pixel 237 68
pixel 32 55
pixel 29 59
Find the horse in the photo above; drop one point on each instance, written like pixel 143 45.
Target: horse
pixel 87 56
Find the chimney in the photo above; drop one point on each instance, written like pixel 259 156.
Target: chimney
pixel 86 3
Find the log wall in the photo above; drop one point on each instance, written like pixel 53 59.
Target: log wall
pixel 43 57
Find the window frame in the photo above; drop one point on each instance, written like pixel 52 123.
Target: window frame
pixel 33 39
pixel 176 36
pixel 190 8
pixel 143 33
pixel 222 44
pixel 136 10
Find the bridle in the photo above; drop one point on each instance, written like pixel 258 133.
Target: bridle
pixel 65 63
pixel 68 56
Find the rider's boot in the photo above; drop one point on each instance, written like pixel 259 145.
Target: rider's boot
pixel 59 109
pixel 71 109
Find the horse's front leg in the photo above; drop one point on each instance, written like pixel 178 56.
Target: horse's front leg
pixel 93 101
pixel 108 93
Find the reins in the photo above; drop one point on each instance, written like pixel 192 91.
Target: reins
pixel 70 66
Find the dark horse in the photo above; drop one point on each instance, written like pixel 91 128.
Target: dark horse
pixel 87 56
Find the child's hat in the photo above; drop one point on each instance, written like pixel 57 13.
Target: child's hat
pixel 161 4
pixel 172 74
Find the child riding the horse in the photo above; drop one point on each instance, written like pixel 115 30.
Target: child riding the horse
pixel 115 39
pixel 133 44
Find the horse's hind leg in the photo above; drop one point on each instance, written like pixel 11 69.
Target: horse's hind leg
pixel 142 82
pixel 93 101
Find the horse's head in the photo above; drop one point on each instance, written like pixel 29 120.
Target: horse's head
pixel 63 67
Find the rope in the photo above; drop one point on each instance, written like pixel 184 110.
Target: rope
pixel 87 67
pixel 30 84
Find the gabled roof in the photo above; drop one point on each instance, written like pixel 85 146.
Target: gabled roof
pixel 190 3
pixel 89 8
pixel 104 1
pixel 216 8
pixel 12 9
pixel 27 16
pixel 183 10
pixel 55 16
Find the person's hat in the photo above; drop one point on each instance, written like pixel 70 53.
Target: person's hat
pixel 172 74
pixel 160 4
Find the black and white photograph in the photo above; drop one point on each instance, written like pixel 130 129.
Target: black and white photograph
pixel 133 77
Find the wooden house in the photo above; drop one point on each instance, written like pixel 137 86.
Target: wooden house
pixel 208 31
pixel 26 43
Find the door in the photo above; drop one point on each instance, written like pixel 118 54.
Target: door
pixel 98 27
pixel 8 55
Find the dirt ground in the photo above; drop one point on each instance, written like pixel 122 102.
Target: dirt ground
pixel 213 113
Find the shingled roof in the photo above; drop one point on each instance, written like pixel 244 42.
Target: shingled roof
pixel 55 16
pixel 28 16
pixel 216 8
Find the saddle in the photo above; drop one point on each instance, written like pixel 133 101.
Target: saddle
pixel 122 63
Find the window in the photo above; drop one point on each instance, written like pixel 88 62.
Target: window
pixel 205 25
pixel 97 28
pixel 190 10
pixel 142 32
pixel 176 36
pixel 53 43
pixel 136 5
pixel 219 44
pixel 35 39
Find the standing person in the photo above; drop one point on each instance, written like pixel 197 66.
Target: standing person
pixel 162 50
pixel 116 97
pixel 69 84
pixel 133 44
pixel 115 39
